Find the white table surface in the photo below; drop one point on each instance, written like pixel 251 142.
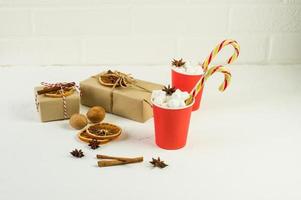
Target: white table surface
pixel 243 144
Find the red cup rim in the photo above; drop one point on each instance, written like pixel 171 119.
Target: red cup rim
pixel 185 73
pixel 190 105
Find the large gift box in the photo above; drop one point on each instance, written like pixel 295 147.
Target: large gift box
pixel 57 105
pixel 120 94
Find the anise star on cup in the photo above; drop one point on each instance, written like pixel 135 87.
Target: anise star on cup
pixel 169 90
pixel 178 63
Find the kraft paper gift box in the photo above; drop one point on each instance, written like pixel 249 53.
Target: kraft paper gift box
pixel 131 102
pixel 51 108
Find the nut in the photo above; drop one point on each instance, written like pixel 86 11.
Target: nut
pixel 78 121
pixel 96 114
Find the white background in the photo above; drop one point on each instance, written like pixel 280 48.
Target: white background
pixel 243 144
pixel 133 32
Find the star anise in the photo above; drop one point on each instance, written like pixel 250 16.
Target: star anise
pixel 94 144
pixel 77 153
pixel 169 90
pixel 158 163
pixel 178 63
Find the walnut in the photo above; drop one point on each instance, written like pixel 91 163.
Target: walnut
pixel 96 114
pixel 78 121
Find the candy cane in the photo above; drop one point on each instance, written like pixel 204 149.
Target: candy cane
pixel 217 49
pixel 200 84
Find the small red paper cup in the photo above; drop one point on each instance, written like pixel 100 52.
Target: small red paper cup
pixel 186 82
pixel 171 126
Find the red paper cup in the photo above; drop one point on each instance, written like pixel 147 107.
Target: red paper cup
pixel 171 126
pixel 186 82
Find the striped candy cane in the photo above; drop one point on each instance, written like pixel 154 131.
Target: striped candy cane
pixel 217 49
pixel 200 84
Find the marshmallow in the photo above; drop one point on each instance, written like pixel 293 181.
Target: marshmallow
pixel 164 104
pixel 173 103
pixel 176 95
pixel 168 97
pixel 180 69
pixel 199 70
pixel 185 95
pixel 176 100
pixel 158 93
pixel 159 100
pixel 182 103
pixel 190 69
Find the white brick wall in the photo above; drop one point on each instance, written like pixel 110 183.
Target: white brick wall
pixel 132 32
pixel 15 22
pixel 106 20
pixel 129 50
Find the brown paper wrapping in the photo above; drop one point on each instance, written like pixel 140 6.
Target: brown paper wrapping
pixel 127 102
pixel 51 109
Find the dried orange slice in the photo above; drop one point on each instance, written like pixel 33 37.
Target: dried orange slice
pixel 59 94
pixel 103 131
pixel 86 138
pixel 115 79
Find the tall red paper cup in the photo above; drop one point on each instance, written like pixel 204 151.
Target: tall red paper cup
pixel 171 126
pixel 186 82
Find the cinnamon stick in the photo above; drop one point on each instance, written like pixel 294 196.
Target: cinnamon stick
pixel 113 161
pixel 124 159
pixel 47 90
pixel 53 89
pixel 108 163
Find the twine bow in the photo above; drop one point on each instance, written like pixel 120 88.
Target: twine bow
pixel 61 90
pixel 118 79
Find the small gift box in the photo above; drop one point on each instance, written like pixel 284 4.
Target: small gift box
pixel 57 101
pixel 120 94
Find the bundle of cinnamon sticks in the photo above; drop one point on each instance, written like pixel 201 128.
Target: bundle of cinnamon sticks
pixel 55 88
pixel 107 161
